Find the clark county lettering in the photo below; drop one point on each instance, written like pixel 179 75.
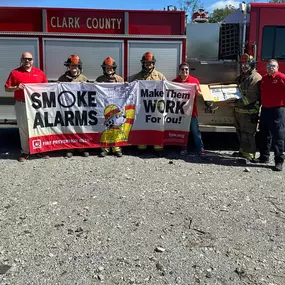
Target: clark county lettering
pixel 90 23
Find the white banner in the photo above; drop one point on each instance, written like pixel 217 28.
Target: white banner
pixel 87 115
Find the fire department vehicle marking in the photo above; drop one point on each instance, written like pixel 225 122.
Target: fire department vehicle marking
pixel 91 23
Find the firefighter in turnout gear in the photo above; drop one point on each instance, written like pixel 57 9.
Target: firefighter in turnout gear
pixel 109 75
pixel 149 72
pixel 74 74
pixel 74 70
pixel 246 109
pixel 109 72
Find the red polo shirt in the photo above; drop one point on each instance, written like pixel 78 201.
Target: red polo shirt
pixel 21 75
pixel 191 80
pixel 273 90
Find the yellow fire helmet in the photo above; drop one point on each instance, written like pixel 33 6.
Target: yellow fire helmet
pixel 111 111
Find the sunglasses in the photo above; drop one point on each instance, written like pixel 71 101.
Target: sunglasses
pixel 271 65
pixel 182 69
pixel 27 58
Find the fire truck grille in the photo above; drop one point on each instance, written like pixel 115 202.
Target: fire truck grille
pixel 229 41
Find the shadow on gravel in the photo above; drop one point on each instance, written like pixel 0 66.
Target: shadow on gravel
pixel 211 157
pixel 214 142
pixel 9 143
pixel 220 159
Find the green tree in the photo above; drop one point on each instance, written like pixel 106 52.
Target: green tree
pixel 189 7
pixel 219 14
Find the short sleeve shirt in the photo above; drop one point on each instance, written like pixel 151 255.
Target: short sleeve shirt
pixel 20 75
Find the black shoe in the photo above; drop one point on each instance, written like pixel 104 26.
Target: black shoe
pixel 23 157
pixel 278 166
pixel 85 153
pixel 260 160
pixel 69 154
pixel 103 153
pixel 118 153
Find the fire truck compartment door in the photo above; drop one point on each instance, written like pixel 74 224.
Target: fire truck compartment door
pixel 168 55
pixel 91 52
pixel 11 49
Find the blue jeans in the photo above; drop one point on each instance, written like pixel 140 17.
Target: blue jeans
pixel 196 134
pixel 195 131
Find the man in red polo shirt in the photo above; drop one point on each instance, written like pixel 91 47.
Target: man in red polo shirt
pixel 16 81
pixel 184 77
pixel 272 116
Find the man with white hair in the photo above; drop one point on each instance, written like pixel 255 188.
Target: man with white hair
pixel 272 115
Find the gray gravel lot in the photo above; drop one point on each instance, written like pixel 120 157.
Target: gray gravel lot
pixel 131 220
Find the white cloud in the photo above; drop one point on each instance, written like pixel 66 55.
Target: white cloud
pixel 222 4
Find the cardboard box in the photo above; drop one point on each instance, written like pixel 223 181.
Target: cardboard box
pixel 220 93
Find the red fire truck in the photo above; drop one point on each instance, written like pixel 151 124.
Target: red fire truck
pixel 212 50
pixel 51 35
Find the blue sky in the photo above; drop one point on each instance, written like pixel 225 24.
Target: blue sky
pixel 112 4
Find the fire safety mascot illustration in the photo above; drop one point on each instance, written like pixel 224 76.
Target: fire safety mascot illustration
pixel 118 124
pixel 246 109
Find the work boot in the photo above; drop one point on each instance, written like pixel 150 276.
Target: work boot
pixel 103 153
pixel 69 154
pixel 260 159
pixel 23 157
pixel 85 153
pixel 118 153
pixel 278 166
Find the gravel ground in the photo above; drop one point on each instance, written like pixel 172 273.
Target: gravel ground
pixel 131 220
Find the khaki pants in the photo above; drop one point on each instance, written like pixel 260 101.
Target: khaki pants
pixel 22 122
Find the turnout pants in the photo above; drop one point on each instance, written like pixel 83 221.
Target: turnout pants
pixel 246 125
pixel 272 132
